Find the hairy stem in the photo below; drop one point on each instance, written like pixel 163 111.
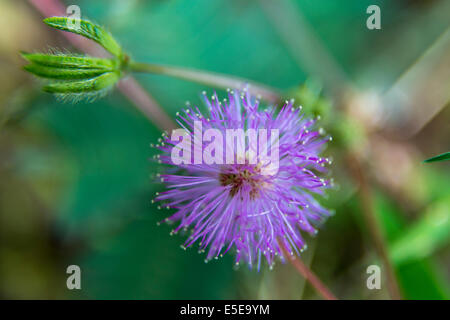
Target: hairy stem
pixel 208 78
pixel 374 228
pixel 307 274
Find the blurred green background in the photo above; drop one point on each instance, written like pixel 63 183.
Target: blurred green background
pixel 76 182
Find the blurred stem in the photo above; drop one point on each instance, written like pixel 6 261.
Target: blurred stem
pixel 304 45
pixel 207 78
pixel 307 273
pixel 374 228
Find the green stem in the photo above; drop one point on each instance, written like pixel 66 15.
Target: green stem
pixel 207 78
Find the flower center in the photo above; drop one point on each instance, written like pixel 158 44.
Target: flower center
pixel 242 177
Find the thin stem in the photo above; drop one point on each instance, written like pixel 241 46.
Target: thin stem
pixel 374 228
pixel 208 78
pixel 145 102
pixel 307 273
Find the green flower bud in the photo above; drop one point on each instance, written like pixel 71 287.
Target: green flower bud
pixel 97 84
pixel 62 74
pixel 74 77
pixel 70 61
pixel 68 74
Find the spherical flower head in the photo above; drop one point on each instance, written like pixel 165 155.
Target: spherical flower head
pixel 247 194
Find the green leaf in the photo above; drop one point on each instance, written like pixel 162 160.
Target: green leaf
pixel 69 61
pixel 88 30
pixel 421 280
pixel 425 236
pixel 99 83
pixel 441 157
pixel 62 74
pixel 418 275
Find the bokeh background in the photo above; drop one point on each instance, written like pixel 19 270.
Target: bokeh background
pixel 76 182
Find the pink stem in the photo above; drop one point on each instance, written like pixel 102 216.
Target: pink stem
pixel 307 273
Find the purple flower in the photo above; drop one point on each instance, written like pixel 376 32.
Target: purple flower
pixel 251 204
